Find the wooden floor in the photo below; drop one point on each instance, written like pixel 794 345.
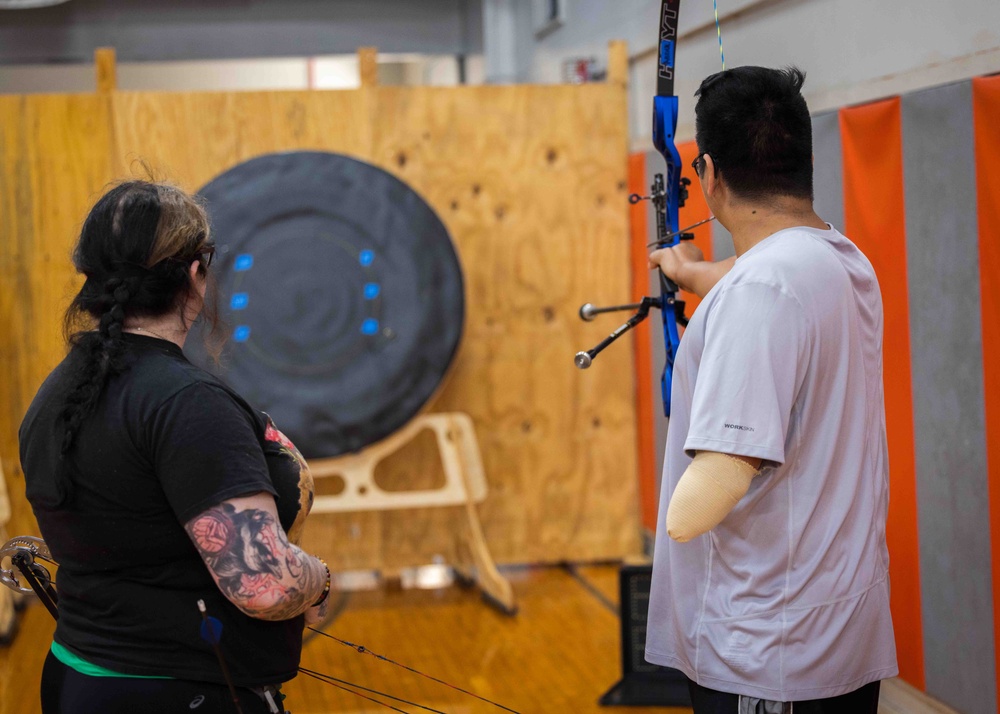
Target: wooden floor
pixel 558 654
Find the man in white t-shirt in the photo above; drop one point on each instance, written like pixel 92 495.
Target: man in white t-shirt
pixel 770 571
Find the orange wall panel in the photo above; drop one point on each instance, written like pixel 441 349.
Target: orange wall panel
pixel 875 219
pixel 638 232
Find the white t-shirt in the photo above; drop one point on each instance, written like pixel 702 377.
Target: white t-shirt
pixel 788 598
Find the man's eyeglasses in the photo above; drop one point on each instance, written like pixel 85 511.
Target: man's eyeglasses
pixel 699 163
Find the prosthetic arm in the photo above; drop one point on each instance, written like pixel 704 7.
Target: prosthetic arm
pixel 708 490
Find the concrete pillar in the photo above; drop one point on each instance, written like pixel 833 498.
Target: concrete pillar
pixel 504 41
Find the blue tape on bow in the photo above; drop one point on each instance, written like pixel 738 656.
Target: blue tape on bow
pixel 667 53
pixel 211 630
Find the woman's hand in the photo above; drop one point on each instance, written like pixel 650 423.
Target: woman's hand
pixel 316 614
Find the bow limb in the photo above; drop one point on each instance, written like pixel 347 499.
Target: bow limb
pixel 668 195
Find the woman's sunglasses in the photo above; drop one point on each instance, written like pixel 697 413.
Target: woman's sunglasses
pixel 206 254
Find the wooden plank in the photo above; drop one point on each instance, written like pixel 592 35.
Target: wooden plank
pixel 898 697
pixel 618 63
pixel 106 68
pixel 190 138
pixel 54 161
pixel 531 184
pixel 368 66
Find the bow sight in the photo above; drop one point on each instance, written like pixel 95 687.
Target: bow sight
pixel 657 195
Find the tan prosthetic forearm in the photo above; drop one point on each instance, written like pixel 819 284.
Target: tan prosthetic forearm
pixel 708 490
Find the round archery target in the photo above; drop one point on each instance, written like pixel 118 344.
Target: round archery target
pixel 342 294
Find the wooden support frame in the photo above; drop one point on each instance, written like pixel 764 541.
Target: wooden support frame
pixel 465 485
pixel 4 499
pixel 106 70
pixel 8 614
pixel 618 63
pixel 368 66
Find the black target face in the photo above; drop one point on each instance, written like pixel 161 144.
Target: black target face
pixel 342 294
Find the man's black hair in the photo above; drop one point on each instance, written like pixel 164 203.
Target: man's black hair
pixel 754 123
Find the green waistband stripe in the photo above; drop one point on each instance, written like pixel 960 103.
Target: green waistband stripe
pixel 82 666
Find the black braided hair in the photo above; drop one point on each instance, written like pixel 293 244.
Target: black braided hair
pixel 115 245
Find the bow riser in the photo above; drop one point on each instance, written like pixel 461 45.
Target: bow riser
pixel 672 194
pixel 667 196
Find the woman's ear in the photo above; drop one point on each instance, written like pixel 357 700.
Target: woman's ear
pixel 199 277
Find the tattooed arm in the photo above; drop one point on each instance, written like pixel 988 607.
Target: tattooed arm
pixel 255 566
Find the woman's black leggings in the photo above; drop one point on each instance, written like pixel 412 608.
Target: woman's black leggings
pixel 66 691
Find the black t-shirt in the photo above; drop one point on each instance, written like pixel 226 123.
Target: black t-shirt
pixel 166 442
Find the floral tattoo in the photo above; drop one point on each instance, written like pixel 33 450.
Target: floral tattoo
pixel 255 565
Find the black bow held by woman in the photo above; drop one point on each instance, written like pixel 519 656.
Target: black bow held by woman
pixel 156 486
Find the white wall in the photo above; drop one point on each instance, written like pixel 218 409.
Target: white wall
pixel 853 51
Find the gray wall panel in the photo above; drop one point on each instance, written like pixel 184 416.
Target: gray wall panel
pixel 949 421
pixel 828 169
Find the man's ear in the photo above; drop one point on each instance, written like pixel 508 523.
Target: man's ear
pixel 709 177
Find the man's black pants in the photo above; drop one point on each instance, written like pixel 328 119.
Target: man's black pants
pixel 860 701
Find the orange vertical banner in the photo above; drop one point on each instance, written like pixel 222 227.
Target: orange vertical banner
pixel 695 209
pixel 875 219
pixel 638 234
pixel 986 118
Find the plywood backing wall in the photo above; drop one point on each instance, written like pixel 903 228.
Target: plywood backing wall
pixel 530 181
pixel 54 159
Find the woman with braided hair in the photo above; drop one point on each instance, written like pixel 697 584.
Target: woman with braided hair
pixel 156 486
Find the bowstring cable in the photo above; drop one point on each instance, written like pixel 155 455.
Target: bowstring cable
pixel 718 30
pixel 333 681
pixel 364 650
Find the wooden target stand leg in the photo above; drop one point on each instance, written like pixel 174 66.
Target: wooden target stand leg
pixel 8 599
pixel 465 485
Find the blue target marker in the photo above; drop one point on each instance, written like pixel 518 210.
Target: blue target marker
pixel 372 290
pixel 239 301
pixel 241 333
pixel 366 257
pixel 369 326
pixel 244 261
